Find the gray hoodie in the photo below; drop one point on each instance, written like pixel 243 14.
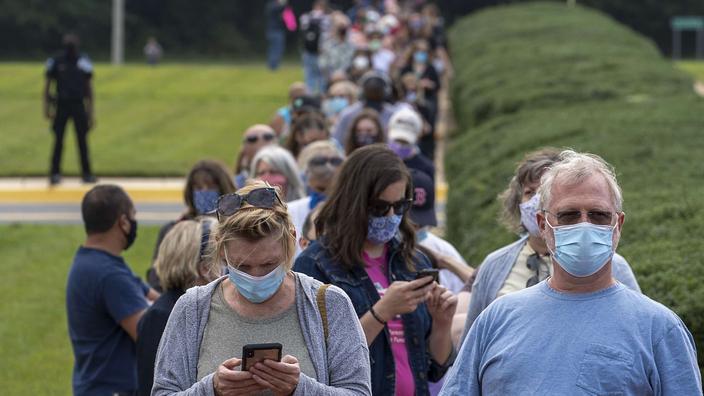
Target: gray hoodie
pixel 342 369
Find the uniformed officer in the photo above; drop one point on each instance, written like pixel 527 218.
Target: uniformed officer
pixel 72 72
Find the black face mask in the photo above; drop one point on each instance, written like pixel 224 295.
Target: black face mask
pixel 132 235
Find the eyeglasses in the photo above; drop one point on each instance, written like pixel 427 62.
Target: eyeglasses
pixel 322 161
pixel 379 208
pixel 267 137
pixel 571 217
pixel 229 204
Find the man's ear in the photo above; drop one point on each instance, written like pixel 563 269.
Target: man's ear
pixel 542 222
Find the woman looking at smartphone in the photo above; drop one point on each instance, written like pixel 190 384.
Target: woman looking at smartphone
pixel 261 301
pixel 366 246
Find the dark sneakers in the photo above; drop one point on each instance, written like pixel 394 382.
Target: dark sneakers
pixel 54 179
pixel 89 178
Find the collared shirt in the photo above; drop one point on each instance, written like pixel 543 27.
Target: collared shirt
pixel 521 273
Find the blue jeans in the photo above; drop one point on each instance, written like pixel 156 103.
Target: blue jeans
pixel 277 44
pixel 311 73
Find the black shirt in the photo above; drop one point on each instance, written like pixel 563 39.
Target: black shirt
pixel 421 163
pixel 71 74
pixel 149 331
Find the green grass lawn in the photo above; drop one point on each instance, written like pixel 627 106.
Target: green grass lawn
pixel 150 121
pixel 695 68
pixel 35 351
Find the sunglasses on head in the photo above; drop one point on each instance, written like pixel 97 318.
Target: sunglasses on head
pixel 322 161
pixel 229 204
pixel 379 208
pixel 267 137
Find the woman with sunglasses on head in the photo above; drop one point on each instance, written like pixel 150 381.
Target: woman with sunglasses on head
pixel 366 246
pixel 261 301
pixel 276 166
pixel 183 262
pixel 206 181
pixel 320 163
pixel 255 137
pixel 525 262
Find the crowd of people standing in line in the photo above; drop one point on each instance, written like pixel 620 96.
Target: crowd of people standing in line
pixel 320 239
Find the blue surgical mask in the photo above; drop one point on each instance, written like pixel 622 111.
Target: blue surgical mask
pixel 420 57
pixel 583 249
pixel 205 200
pixel 528 211
pixel 382 229
pixel 402 150
pixel 256 289
pixel 335 105
pixel 422 234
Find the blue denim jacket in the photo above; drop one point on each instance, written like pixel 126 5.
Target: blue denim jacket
pixel 316 261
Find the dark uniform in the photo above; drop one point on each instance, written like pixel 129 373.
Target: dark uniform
pixel 72 75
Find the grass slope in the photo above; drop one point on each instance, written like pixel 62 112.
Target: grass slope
pixel 150 121
pixel 595 87
pixel 36 352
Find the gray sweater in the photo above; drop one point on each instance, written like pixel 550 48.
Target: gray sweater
pixel 342 369
pixel 495 268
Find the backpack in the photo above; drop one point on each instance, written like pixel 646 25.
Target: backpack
pixel 311 36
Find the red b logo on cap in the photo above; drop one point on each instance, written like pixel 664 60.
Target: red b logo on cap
pixel 420 196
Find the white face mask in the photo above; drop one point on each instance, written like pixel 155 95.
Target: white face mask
pixel 528 211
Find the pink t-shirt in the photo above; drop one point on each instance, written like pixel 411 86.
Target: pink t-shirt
pixel 376 269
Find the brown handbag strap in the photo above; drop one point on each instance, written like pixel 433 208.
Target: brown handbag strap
pixel 320 298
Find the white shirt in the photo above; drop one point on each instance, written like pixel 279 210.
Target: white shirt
pixel 299 210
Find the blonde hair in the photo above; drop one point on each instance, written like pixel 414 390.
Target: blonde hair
pixel 254 224
pixel 315 148
pixel 178 261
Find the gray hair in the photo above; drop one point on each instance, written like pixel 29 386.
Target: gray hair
pixel 281 159
pixel 317 147
pixel 575 167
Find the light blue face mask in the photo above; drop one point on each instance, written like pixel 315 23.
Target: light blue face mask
pixel 205 200
pixel 335 105
pixel 420 57
pixel 583 249
pixel 382 229
pixel 256 289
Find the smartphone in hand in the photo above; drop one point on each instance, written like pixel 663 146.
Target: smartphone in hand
pixel 434 272
pixel 254 353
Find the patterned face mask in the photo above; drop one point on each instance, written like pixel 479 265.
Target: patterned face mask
pixel 382 229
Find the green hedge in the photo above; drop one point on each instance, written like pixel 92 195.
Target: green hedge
pixel 542 74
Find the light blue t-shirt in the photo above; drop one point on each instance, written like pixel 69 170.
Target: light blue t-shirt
pixel 539 341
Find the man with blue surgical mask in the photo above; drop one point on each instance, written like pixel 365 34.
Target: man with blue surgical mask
pixel 580 331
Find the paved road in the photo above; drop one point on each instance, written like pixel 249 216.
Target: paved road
pixel 70 213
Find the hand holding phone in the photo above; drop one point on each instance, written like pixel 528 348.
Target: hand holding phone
pixel 429 272
pixel 254 353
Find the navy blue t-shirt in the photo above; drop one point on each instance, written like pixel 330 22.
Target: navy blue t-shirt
pixel 102 291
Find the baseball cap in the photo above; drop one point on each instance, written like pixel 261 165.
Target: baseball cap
pixel 423 209
pixel 405 124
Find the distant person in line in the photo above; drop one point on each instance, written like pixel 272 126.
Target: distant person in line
pixel 183 262
pixel 340 95
pixel 308 128
pixel 580 331
pixel 314 27
pixel 276 166
pixel 275 32
pixel 281 122
pixel 206 181
pixel 365 129
pixel 526 261
pixel 320 163
pixel 71 72
pixel 255 137
pixel 261 301
pixel 104 299
pixel 405 127
pixel 153 51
